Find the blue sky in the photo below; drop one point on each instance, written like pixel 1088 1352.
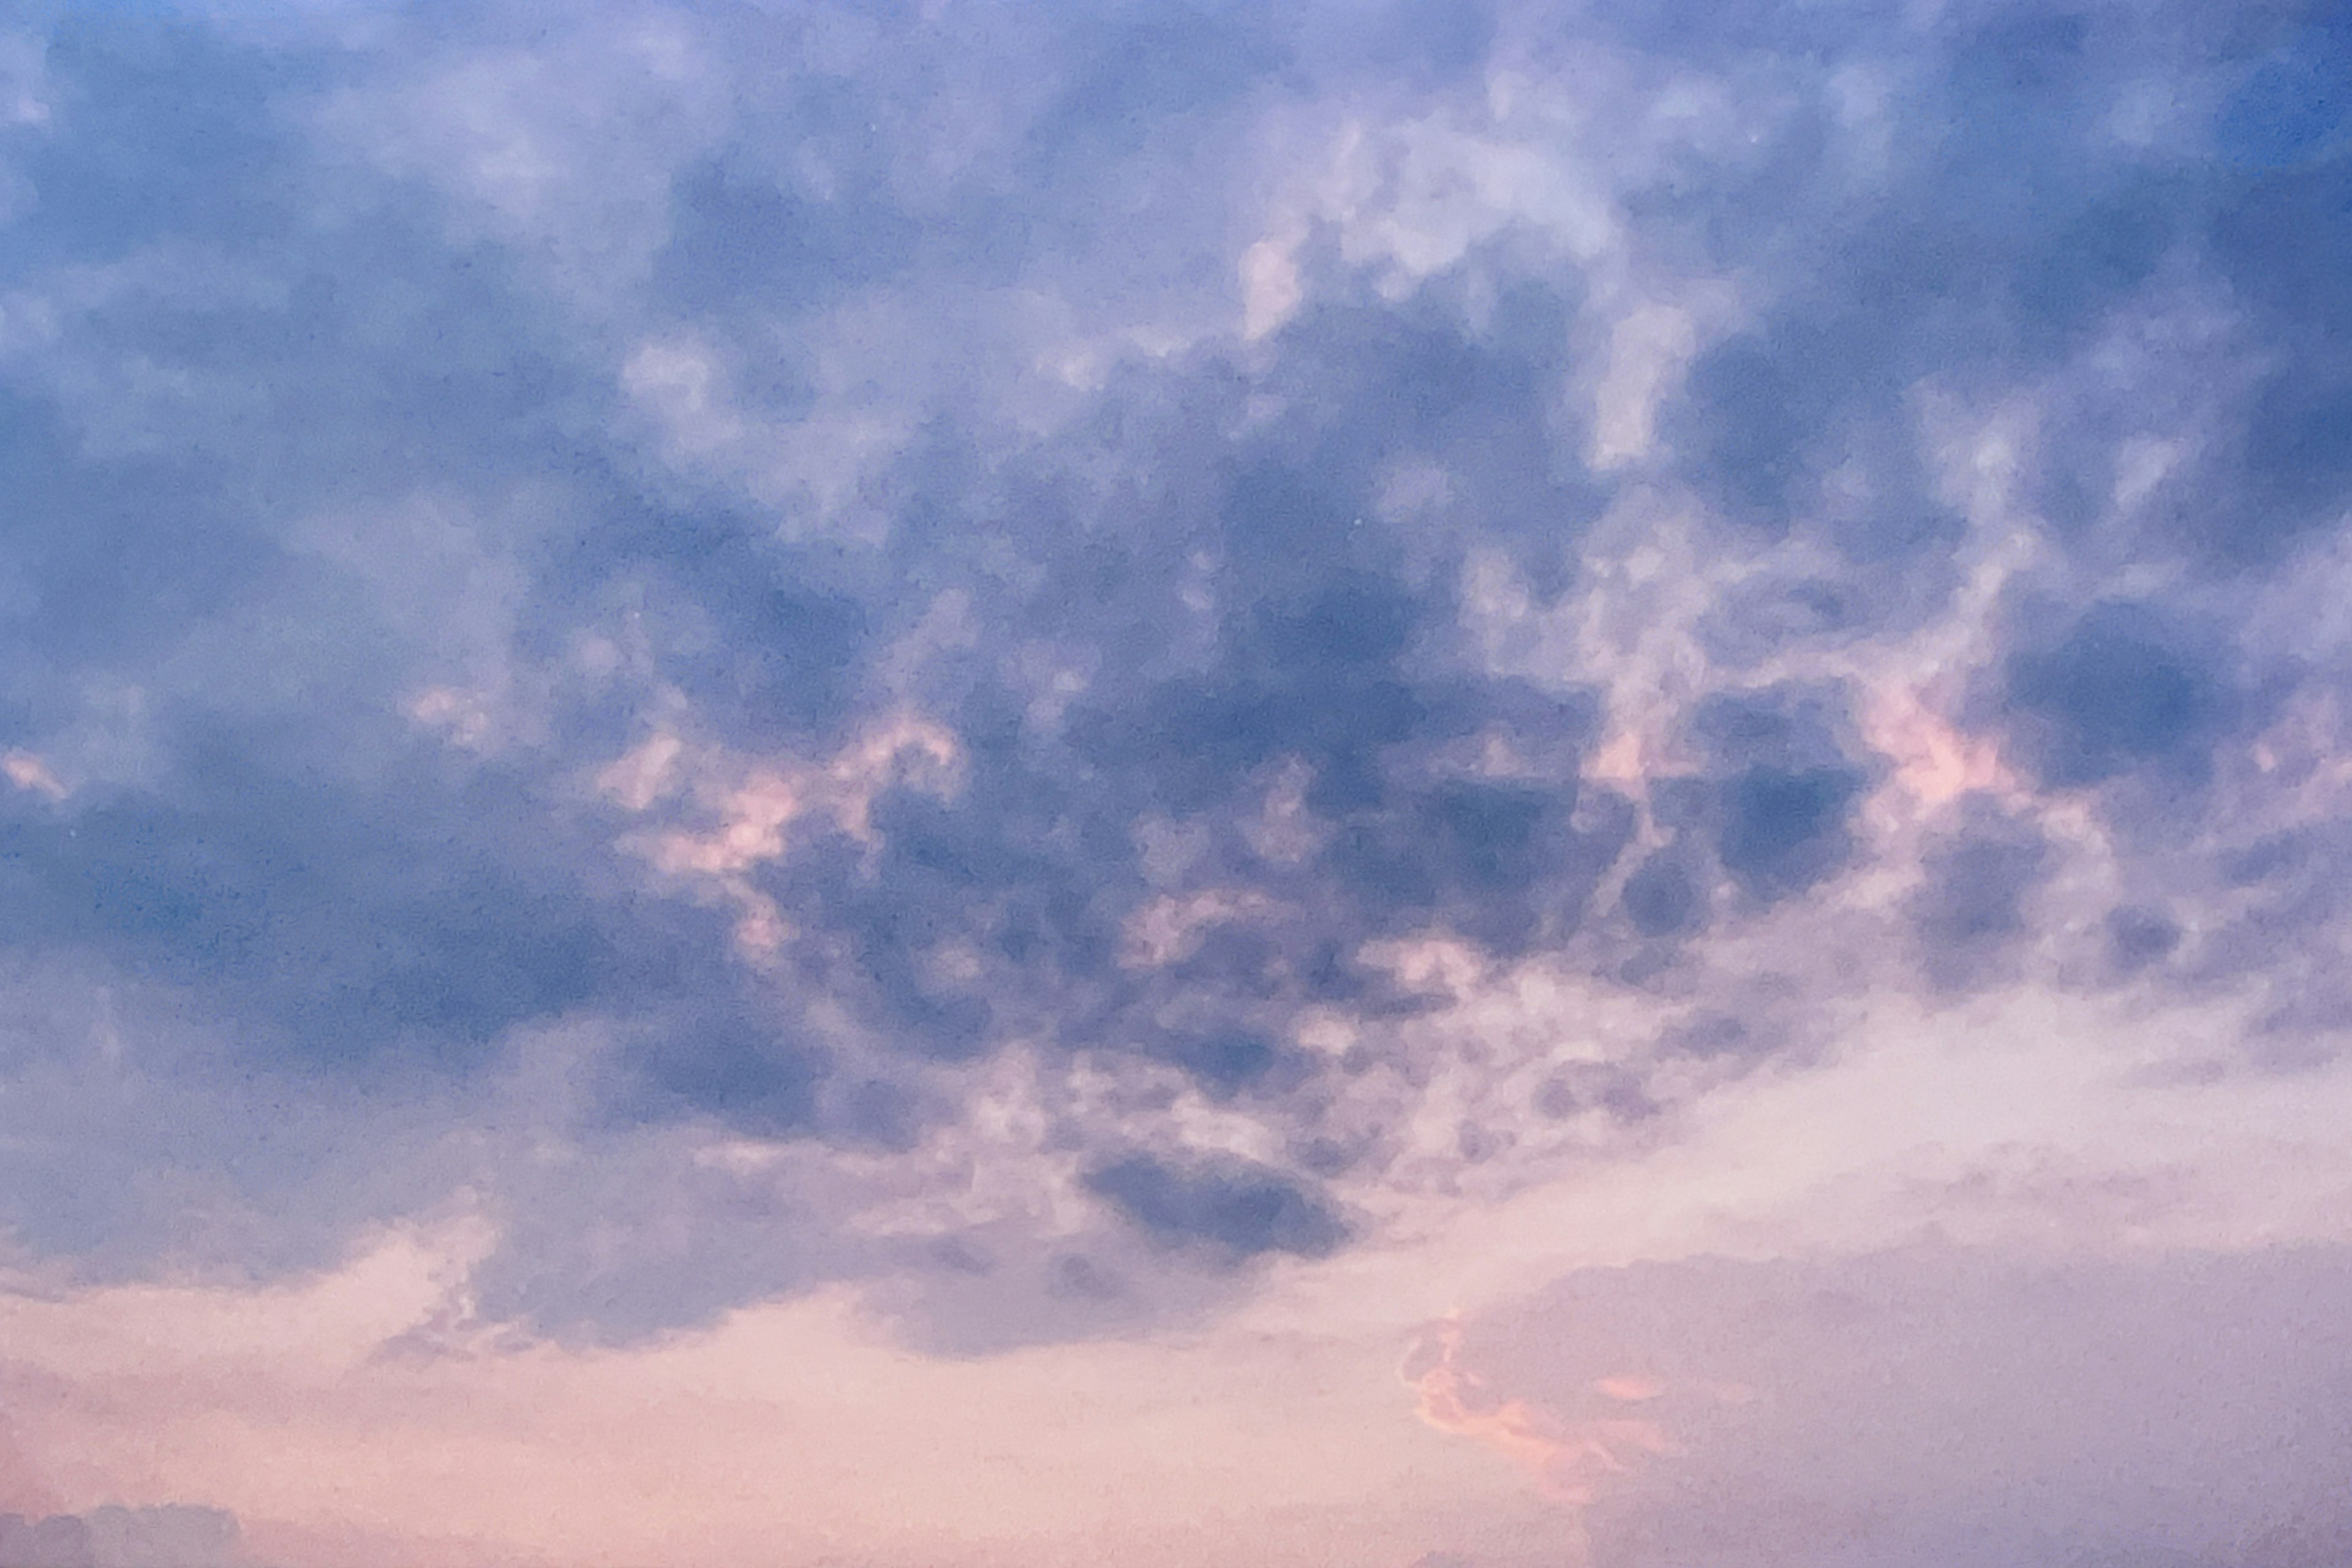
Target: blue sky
pixel 1017 687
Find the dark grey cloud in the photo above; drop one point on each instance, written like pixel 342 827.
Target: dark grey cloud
pixel 1232 1207
pixel 1784 787
pixel 411 418
pixel 2118 692
pixel 1972 908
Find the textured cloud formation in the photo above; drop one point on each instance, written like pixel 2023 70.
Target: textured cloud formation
pixel 1042 659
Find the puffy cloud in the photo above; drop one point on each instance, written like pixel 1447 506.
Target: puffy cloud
pixel 1050 660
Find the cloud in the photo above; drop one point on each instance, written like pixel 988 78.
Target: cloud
pixel 1048 662
pixel 2116 694
pixel 1564 1460
pixel 1939 1405
pixel 1240 1211
pixel 517 1451
pixel 1970 908
pixel 386 1409
pixel 172 1536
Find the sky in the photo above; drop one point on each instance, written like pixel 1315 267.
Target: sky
pixel 1380 783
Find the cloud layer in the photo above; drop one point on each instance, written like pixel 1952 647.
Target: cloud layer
pixel 168 1537
pixel 1938 1406
pixel 1051 664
